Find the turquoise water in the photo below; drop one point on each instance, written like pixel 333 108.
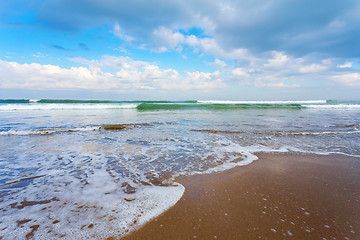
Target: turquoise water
pixel 62 170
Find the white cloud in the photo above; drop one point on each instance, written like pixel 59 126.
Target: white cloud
pixel 127 75
pixel 118 31
pixel 37 76
pixel 203 80
pixel 279 59
pixel 349 79
pixel 277 85
pixel 278 69
pixel 210 46
pixel 39 54
pixel 239 72
pixel 165 39
pixel 312 68
pixel 218 64
pixel 345 65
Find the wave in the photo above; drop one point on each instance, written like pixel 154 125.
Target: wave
pixel 63 106
pixel 335 106
pixel 60 104
pixel 265 102
pixel 342 102
pixel 214 131
pixel 14 100
pixel 122 127
pixel 85 101
pixel 155 107
pixel 332 102
pixel 319 133
pixel 107 101
pixel 239 105
pixel 164 106
pixel 48 131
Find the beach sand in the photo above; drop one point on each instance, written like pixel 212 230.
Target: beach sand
pixel 279 196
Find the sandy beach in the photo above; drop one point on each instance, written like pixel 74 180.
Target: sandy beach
pixel 279 196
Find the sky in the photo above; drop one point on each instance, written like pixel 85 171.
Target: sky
pixel 180 49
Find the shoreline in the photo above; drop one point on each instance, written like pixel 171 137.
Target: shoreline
pixel 278 196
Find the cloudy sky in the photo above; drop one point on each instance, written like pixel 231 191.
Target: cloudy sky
pixel 180 49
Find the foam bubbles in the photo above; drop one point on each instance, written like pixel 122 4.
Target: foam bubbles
pixel 65 106
pixel 74 197
pixel 48 131
pixel 335 106
pixel 78 216
pixel 266 102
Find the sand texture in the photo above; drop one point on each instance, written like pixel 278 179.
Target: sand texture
pixel 279 196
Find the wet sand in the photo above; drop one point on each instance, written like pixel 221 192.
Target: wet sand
pixel 279 196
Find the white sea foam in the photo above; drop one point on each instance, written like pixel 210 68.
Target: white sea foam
pixel 334 106
pixel 47 131
pixel 65 106
pixel 264 102
pixel 92 212
pixel 321 133
pixel 236 155
pixel 248 158
pixel 79 200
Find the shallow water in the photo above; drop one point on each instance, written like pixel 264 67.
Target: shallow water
pixel 63 174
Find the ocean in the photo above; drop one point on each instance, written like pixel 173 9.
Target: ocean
pixel 89 169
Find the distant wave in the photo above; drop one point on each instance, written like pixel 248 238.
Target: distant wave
pixel 63 106
pixel 14 100
pixel 342 102
pixel 265 102
pixel 106 101
pixel 126 126
pixel 238 105
pixel 85 101
pixel 154 107
pixel 335 106
pixel 48 131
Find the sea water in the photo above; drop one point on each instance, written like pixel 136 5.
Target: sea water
pixel 75 169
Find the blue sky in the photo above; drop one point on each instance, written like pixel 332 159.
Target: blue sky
pixel 219 50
